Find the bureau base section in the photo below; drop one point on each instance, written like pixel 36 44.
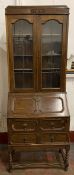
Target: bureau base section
pixel 39 157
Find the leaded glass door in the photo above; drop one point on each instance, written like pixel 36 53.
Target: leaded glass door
pixel 51 42
pixel 23 54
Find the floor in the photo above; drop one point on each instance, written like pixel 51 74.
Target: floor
pixel 36 171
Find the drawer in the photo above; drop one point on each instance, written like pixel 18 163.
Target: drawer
pixel 23 125
pixel 60 124
pixel 54 137
pixel 22 138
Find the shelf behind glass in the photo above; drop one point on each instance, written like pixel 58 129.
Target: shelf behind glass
pixel 49 55
pixel 28 34
pixel 51 62
pixel 23 70
pixel 20 37
pixel 22 55
pixel 23 80
pixel 22 34
pixel 50 72
pixel 52 68
pixel 51 79
pixel 23 62
pixel 51 34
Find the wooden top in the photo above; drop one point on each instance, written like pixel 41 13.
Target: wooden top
pixel 13 10
pixel 37 105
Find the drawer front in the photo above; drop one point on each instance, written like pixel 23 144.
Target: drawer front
pixel 21 125
pixel 22 138
pixel 54 137
pixel 60 124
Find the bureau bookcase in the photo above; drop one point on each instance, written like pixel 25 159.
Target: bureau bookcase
pixel 38 116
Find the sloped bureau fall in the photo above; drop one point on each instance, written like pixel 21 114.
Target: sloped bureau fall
pixel 38 117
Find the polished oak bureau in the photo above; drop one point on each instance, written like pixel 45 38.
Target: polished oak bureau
pixel 38 119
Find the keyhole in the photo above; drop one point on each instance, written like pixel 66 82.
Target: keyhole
pixel 52 138
pixel 24 140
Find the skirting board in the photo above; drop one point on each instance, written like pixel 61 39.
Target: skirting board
pixel 4 137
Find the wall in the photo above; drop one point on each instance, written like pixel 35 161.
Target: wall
pixel 3 66
pixel 3 54
pixel 70 97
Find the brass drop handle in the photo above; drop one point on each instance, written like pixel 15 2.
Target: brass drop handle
pixel 24 140
pixel 52 139
pixel 25 124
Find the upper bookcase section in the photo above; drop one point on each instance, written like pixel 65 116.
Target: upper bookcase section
pixel 16 10
pixel 37 47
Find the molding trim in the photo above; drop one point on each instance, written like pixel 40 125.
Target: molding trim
pixel 4 137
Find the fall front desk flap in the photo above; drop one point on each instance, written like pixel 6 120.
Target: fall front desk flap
pixel 37 105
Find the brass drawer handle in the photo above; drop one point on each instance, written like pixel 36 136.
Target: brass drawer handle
pixel 25 124
pixel 24 140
